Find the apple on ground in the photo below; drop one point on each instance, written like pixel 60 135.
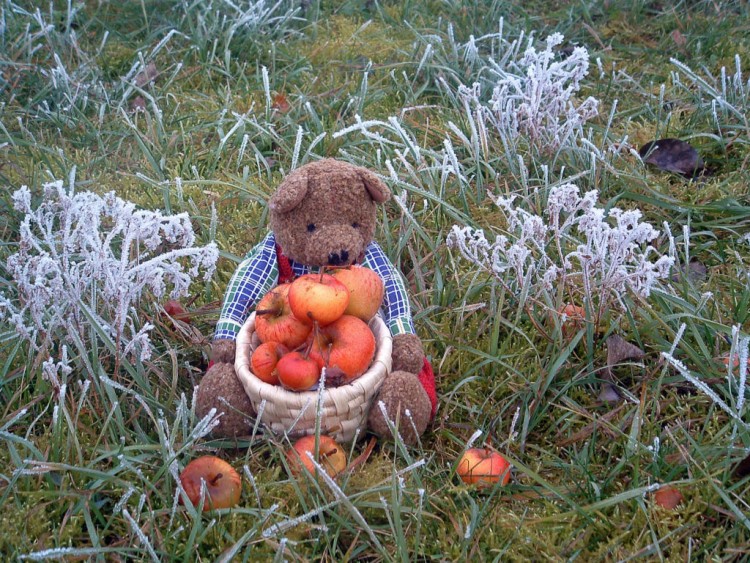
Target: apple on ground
pixel 297 371
pixel 331 456
pixel 264 360
pixel 274 321
pixel 483 467
pixel 223 483
pixel 347 345
pixel 318 297
pixel 365 290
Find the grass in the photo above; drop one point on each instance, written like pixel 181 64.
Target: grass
pixel 180 109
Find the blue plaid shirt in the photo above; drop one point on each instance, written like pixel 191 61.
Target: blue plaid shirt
pixel 259 272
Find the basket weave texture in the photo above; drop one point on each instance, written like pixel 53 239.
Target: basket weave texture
pixel 343 409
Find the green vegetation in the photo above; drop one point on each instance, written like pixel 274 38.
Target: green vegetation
pixel 202 106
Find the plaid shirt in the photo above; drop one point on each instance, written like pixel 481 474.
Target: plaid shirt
pixel 259 272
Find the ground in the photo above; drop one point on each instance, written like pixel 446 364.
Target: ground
pixel 203 107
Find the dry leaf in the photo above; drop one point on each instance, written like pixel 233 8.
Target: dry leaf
pixel 742 469
pixel 364 456
pixel 146 75
pixel 695 271
pixel 608 393
pixel 735 359
pixel 678 38
pixel 281 104
pixel 673 155
pixel 678 457
pixel 667 497
pixel 619 350
pixel 138 104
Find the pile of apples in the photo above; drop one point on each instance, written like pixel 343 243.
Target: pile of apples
pixel 318 320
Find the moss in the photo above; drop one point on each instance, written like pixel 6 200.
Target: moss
pixel 116 59
pixel 33 524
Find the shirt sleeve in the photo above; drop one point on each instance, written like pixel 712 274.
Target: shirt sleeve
pixel 254 277
pixel 396 307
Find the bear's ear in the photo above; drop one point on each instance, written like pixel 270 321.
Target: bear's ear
pixel 378 191
pixel 290 192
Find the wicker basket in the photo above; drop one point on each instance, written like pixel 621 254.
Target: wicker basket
pixel 344 409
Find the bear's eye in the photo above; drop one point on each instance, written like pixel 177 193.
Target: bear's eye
pixel 310 227
pixel 355 225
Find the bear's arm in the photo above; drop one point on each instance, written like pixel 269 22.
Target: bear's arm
pixel 396 307
pixel 255 275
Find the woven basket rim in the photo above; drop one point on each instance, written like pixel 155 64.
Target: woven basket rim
pixel 333 400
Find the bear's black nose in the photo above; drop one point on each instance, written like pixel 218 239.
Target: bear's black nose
pixel 338 258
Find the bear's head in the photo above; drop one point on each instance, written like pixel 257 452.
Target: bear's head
pixel 324 214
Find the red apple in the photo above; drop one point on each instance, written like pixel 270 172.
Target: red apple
pixel 264 359
pixel 347 344
pixel 483 467
pixel 318 297
pixel 365 290
pixel 223 483
pixel 177 311
pixel 274 321
pixel 332 457
pixel 667 497
pixel 297 371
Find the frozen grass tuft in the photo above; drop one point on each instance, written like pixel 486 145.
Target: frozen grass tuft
pixel 218 28
pixel 533 98
pixel 574 252
pixel 726 97
pixel 86 261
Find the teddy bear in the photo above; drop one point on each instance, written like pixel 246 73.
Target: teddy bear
pixel 322 214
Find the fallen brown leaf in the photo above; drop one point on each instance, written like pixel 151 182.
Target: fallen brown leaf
pixel 678 38
pixel 667 497
pixel 695 272
pixel 742 469
pixel 620 350
pixel 281 104
pixel 146 75
pixel 364 456
pixel 673 155
pixel 138 104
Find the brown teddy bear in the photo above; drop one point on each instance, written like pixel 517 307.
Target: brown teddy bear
pixel 322 214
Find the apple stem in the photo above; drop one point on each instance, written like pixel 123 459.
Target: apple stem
pixel 315 331
pixel 215 480
pixel 324 455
